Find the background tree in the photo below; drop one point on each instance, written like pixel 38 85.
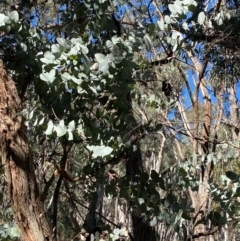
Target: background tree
pixel 120 113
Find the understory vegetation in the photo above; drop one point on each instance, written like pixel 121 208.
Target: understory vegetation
pixel 119 120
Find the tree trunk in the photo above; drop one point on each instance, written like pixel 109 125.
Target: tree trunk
pixel 234 113
pixel 17 159
pixel 134 167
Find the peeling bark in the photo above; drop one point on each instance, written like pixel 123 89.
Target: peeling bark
pixel 17 159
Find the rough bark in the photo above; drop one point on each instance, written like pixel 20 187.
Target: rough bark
pixel 234 112
pixel 17 159
pixel 200 198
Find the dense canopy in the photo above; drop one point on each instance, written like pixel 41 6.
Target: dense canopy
pixel 119 120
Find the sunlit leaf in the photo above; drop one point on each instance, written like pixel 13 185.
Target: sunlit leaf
pixel 153 222
pixel 55 48
pixel 48 76
pixel 23 46
pixel 160 24
pixel 14 16
pixel 2 19
pixel 66 76
pixel 49 128
pixel 61 129
pixel 148 42
pixel 70 135
pixel 100 151
pixel 167 19
pixel 174 9
pixel 99 57
pixel 63 42
pixel 201 18
pixel 41 121
pixel 71 125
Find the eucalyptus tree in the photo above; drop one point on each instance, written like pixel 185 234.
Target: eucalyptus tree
pixel 85 79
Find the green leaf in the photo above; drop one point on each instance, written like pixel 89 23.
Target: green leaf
pixel 186 216
pixel 224 180
pixel 61 129
pixel 154 199
pixel 153 222
pixel 231 175
pixel 201 18
pixel 179 215
pixel 143 9
pixel 174 9
pixel 87 63
pixel 219 155
pixel 182 171
pixel 48 58
pixel 70 135
pixel 63 42
pixel 224 146
pixel 192 8
pixel 116 231
pixel 14 232
pixel 166 203
pixel 175 47
pixel 76 80
pixel 228 16
pixel 189 2
pixel 84 49
pixel 168 200
pixel 148 43
pixel 185 26
pixel 99 57
pixel 41 121
pixel 48 55
pixel 23 46
pixel 31 115
pixel 174 35
pixel 219 19
pixel 71 125
pixel 215 217
pixel 14 16
pixel 3 19
pixel 167 19
pixel 49 77
pixel 160 24
pixel 152 28
pixel 99 150
pixel 74 51
pixel 66 76
pixel 158 127
pixel 154 176
pixel 49 128
pixel 141 201
pixel 122 2
pixel 55 49
pixel 237 194
pixel 103 62
pixel 161 183
pixel 109 44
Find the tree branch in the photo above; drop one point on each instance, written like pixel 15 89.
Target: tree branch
pixel 100 215
pixel 198 235
pixel 57 189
